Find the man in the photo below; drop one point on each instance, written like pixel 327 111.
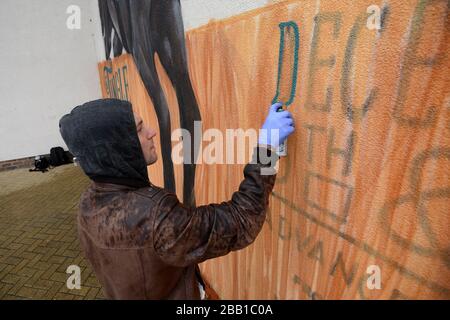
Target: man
pixel 141 241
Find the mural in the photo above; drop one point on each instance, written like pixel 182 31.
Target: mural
pixel 144 29
pixel 366 181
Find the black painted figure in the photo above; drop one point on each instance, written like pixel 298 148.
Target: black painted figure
pixel 143 28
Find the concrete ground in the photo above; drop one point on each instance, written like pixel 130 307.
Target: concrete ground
pixel 38 235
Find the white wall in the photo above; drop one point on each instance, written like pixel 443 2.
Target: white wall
pixel 47 69
pixel 199 12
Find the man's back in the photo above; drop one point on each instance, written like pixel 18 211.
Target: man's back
pixel 144 244
pixel 115 223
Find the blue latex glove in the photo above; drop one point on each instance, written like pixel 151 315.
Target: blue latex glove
pixel 281 121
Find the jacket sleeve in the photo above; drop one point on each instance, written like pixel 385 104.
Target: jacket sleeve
pixel 185 236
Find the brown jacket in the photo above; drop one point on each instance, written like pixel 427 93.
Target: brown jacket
pixel 143 243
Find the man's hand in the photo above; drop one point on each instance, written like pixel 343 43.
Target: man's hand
pixel 277 127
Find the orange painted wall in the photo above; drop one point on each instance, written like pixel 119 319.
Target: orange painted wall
pixel 361 185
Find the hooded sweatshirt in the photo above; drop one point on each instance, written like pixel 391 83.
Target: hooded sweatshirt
pixel 102 135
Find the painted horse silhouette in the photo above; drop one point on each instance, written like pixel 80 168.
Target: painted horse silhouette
pixel 143 28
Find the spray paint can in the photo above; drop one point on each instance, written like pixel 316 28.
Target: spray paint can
pixel 281 150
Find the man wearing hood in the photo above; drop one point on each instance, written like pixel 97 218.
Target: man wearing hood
pixel 141 242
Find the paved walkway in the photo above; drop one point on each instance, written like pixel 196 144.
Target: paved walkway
pixel 38 235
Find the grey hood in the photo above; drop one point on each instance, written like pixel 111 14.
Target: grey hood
pixel 102 135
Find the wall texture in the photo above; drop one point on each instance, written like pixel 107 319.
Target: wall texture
pixel 47 70
pixel 367 176
pixel 199 12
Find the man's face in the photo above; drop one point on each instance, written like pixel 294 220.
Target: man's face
pixel 146 135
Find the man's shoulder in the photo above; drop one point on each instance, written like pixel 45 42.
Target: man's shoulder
pixel 153 193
